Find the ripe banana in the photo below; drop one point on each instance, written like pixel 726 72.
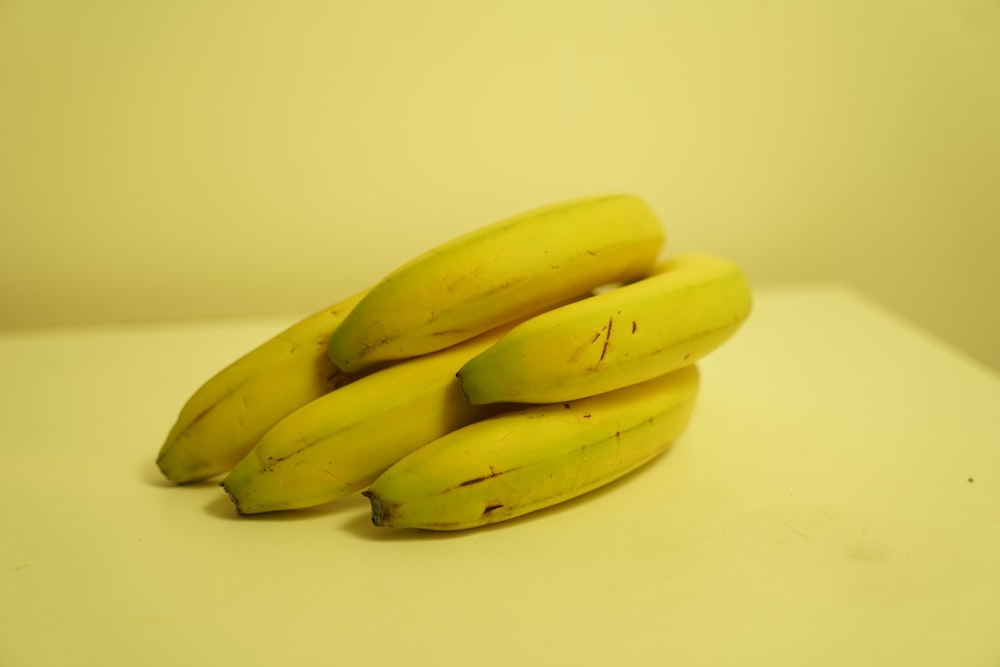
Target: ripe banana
pixel 340 442
pixel 498 273
pixel 524 460
pixel 225 417
pixel 690 306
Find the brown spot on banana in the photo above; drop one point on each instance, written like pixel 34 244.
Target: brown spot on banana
pixel 483 478
pixel 607 338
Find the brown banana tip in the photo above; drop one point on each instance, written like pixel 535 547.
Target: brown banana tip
pixel 461 387
pixel 378 510
pixel 232 497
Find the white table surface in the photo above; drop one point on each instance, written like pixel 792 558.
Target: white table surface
pixel 836 501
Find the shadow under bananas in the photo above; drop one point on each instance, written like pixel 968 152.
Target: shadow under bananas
pixel 223 508
pixel 357 510
pixel 151 476
pixel 361 526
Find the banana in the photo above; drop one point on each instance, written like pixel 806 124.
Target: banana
pixel 524 460
pixel 222 421
pixel 690 306
pixel 498 273
pixel 340 442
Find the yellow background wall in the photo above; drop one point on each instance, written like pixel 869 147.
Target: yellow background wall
pixel 189 159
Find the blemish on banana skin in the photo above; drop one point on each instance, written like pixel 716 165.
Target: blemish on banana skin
pixel 483 478
pixel 607 338
pixel 605 332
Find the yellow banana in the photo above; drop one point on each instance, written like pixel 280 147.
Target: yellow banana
pixel 225 417
pixel 498 273
pixel 340 442
pixel 691 305
pixel 520 461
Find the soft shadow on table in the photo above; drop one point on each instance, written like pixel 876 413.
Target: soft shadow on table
pixel 361 526
pixel 152 476
pixel 223 508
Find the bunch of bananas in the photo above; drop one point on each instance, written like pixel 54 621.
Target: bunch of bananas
pixel 519 365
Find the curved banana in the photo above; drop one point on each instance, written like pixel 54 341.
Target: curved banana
pixel 691 305
pixel 340 442
pixel 497 273
pixel 225 417
pixel 525 460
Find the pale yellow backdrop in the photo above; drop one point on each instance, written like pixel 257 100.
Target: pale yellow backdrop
pixel 209 159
